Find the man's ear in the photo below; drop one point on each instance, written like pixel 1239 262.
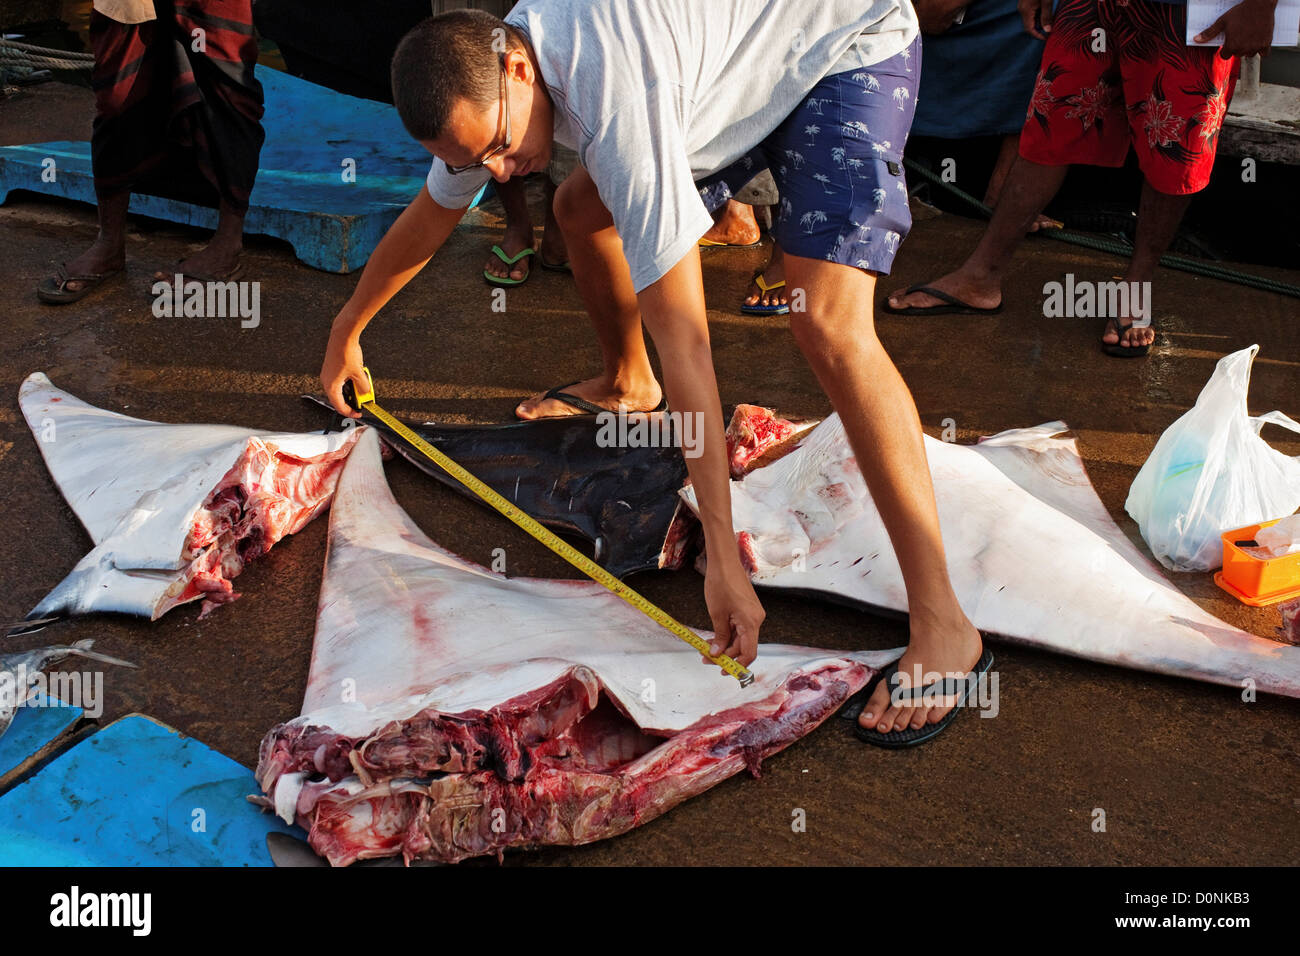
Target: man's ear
pixel 518 66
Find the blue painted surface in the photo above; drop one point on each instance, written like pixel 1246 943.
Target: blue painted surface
pixel 36 723
pixel 300 195
pixel 128 796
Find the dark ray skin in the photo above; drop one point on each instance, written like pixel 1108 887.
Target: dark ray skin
pixel 623 500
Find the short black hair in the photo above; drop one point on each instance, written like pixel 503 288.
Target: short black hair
pixel 449 57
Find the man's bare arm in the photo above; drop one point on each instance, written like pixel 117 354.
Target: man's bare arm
pixel 409 244
pixel 673 311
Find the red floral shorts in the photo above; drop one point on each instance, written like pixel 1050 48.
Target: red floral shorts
pixel 1117 73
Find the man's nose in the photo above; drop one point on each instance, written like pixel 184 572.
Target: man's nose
pixel 500 167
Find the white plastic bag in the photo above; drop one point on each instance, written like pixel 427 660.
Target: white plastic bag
pixel 1212 472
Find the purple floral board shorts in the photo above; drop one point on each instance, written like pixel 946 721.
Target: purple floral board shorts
pixel 837 161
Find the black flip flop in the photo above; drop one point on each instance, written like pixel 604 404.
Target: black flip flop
pixel 55 291
pixel 1123 351
pixel 590 407
pixel 954 306
pixel 908 737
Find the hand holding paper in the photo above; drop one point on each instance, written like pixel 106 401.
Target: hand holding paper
pixel 1242 28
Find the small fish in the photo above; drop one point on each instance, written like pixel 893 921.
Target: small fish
pixel 16 668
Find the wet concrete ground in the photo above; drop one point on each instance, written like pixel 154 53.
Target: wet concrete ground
pixel 1186 772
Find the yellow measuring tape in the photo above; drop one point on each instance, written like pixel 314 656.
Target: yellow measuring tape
pixel 365 403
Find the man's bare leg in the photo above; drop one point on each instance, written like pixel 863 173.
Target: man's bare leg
pixel 1158 217
pixel 837 336
pixel 108 252
pixel 519 231
pixel 605 285
pixel 978 281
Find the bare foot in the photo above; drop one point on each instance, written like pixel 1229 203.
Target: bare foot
pixel 934 652
pixel 735 226
pixel 982 294
pixel 598 392
pixel 515 241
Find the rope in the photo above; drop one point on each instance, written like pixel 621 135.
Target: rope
pixel 1101 244
pixel 32 57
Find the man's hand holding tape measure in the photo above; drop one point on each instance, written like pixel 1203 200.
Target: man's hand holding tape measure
pixel 343 363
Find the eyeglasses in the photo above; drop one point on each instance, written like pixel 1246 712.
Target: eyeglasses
pixel 505 109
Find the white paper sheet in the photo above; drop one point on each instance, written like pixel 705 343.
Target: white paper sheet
pixel 1202 13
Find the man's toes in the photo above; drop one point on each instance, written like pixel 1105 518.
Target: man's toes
pixel 877 705
pixel 895 719
pixel 919 716
pixel 528 407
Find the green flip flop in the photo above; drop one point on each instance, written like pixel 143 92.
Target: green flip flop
pixel 506 280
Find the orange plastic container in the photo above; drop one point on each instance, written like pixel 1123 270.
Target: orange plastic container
pixel 1256 581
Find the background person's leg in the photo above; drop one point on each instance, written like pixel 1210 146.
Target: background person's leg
pixel 1076 115
pixel 733 225
pixel 772 273
pixel 107 254
pixel 1008 153
pixel 126 139
pixel 1176 98
pixel 553 251
pixel 519 231
pixel 216 123
pixel 1158 217
pixel 605 285
pixel 978 280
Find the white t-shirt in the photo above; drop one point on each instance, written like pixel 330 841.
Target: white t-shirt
pixel 654 94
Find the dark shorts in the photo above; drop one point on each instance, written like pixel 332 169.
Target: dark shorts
pixel 838 163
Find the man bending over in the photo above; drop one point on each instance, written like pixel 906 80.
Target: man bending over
pixel 654 95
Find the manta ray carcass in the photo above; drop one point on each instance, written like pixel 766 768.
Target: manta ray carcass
pixel 174 511
pixel 454 712
pixel 1034 555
